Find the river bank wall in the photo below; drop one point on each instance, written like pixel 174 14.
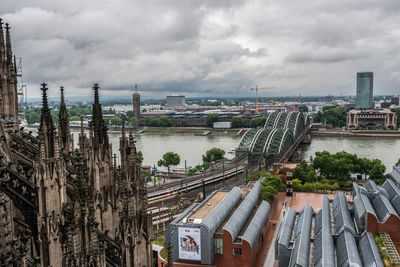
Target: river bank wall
pixel 172 130
pixel 357 134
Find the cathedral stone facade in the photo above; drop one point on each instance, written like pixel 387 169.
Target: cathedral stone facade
pixel 61 205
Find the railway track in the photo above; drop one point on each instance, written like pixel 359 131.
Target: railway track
pixel 166 215
pixel 196 187
pixel 229 167
pixel 178 188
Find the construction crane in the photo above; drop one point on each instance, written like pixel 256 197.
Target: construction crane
pixel 272 103
pixel 276 107
pixel 21 86
pixel 294 104
pixel 256 89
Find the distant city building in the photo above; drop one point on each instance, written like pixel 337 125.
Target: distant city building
pixel 136 104
pixel 365 88
pixel 395 100
pixel 371 119
pixel 226 229
pixel 222 125
pixel 175 101
pixel 329 98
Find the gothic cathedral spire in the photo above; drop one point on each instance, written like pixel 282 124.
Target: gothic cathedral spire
pixel 46 128
pixel 64 132
pixel 2 45
pixel 99 128
pixel 9 55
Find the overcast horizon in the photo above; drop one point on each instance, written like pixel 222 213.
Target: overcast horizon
pixel 205 48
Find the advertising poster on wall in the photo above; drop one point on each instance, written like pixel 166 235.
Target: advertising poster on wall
pixel 189 243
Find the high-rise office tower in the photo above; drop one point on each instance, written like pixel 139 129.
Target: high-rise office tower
pixel 136 103
pixel 365 88
pixel 175 101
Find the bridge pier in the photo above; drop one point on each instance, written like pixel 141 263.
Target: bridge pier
pixel 306 139
pixel 297 155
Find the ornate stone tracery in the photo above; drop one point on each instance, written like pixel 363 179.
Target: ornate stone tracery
pixel 66 207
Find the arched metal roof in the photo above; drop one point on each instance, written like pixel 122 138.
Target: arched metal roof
pixel 214 219
pixel 239 217
pixel 301 250
pixel 346 250
pixel 370 252
pixel 342 215
pixel 253 231
pixel 394 194
pixel 324 251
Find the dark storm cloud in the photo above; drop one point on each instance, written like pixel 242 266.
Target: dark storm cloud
pixel 205 47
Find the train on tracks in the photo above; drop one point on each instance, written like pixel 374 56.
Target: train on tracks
pixel 193 185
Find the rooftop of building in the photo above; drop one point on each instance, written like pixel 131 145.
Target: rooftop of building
pixel 337 226
pixel 238 212
pixel 370 111
pixel 203 209
pixel 325 238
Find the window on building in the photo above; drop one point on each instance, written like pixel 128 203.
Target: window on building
pixel 218 246
pixel 237 251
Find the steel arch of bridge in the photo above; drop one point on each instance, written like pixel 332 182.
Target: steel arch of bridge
pixel 280 131
pixel 280 140
pixel 257 148
pixel 246 140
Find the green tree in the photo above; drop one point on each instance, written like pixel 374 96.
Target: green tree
pixel 337 166
pixel 151 121
pixel 80 110
pixel 169 159
pixel 139 157
pixel 146 176
pixel 211 118
pixel 129 114
pixel 133 121
pixel 32 117
pixel 270 186
pixel 305 172
pixel 273 180
pixel 165 122
pixel 54 115
pixel 74 118
pixel 297 184
pixel 377 171
pixel 268 193
pixel 332 115
pixel 116 120
pixel 238 122
pixel 398 162
pixel 397 111
pixel 213 154
pixel 257 122
pixel 303 108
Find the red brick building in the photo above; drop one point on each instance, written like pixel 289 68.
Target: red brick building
pixel 377 209
pixel 226 229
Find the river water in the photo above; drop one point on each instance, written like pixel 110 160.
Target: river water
pixel 385 149
pixel 189 147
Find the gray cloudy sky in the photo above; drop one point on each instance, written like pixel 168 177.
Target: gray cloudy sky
pixel 206 47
